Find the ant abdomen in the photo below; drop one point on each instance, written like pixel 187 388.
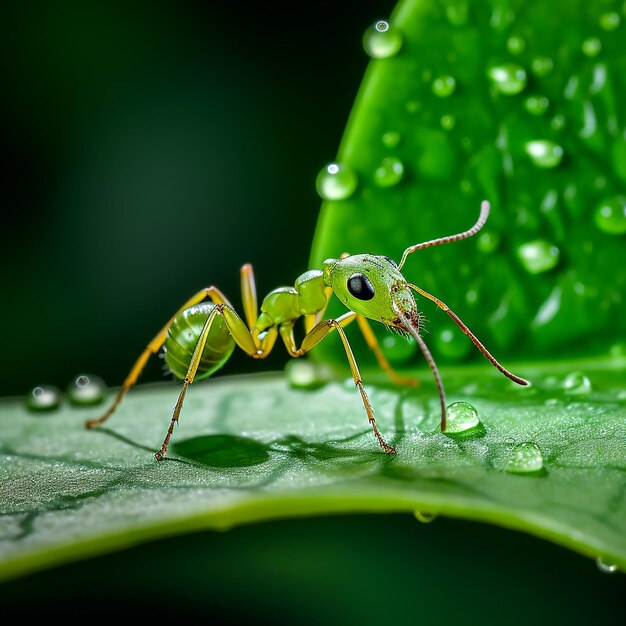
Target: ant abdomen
pixel 182 338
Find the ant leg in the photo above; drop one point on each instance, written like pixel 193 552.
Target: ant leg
pixel 320 332
pixel 248 295
pixel 373 344
pixel 154 346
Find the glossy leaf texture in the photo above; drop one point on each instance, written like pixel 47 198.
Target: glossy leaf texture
pixel 520 102
pixel 549 461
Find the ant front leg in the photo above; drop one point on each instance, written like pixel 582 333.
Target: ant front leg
pixel 316 335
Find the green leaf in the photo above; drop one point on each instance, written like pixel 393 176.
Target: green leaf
pixel 520 102
pixel 254 448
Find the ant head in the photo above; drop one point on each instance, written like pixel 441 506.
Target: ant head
pixel 373 287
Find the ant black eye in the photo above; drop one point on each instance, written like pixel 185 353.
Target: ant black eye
pixel 360 287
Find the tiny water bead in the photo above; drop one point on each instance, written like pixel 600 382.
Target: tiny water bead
pixel 451 344
pixel 389 172
pixel 398 349
pixel 544 153
pixel 86 389
pixel 538 256
pixel 609 21
pixel 576 383
pixel 391 138
pixel 605 568
pixel 461 418
pixel 610 215
pixel 541 66
pixel 336 182
pixel 305 374
pixel 447 122
pixel 381 40
pixel 488 241
pixel 509 79
pixel 536 105
pixel 516 45
pixel 456 12
pixel 444 86
pixel 44 398
pixel 525 458
pixel 591 47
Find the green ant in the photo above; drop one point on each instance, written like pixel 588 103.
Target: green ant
pixel 201 336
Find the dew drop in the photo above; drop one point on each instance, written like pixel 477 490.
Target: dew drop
pixel 444 86
pixel 536 105
pixel 610 215
pixel 609 21
pixel 43 398
pixel 389 172
pixel 456 12
pixel 558 122
pixel 305 374
pixel 525 458
pixel 576 383
pixel 591 47
pixel 538 256
pixel 391 138
pixel 461 418
pixel 425 518
pixel 336 182
pixel 541 66
pixel 382 40
pixel 516 45
pixel 544 153
pixel 509 79
pixel 398 349
pixel 605 568
pixel 501 17
pixel 86 389
pixel 451 344
pixel 447 122
pixel 488 241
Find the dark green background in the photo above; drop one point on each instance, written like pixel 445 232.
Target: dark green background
pixel 151 148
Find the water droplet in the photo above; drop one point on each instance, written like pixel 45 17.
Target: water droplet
pixel 605 568
pixel 447 122
pixel 86 389
pixel 389 172
pixel 558 122
pixel 425 518
pixel 336 182
pixel 509 79
pixel 609 21
pixel 591 47
pixel 488 241
pixel 541 66
pixel 516 45
pixel 544 153
pixel 43 398
pixel 525 458
pixel 501 17
pixel 461 418
pixel 444 86
pixel 398 349
pixel 305 374
pixel 382 40
pixel 456 12
pixel 576 383
pixel 451 344
pixel 538 256
pixel 391 138
pixel 610 215
pixel 536 105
